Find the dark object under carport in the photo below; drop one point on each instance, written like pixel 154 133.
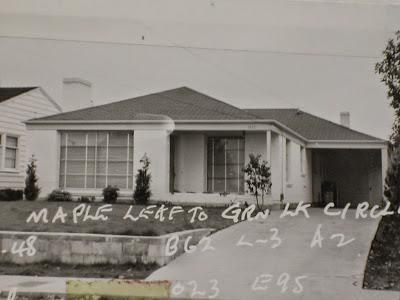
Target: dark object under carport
pixel 329 192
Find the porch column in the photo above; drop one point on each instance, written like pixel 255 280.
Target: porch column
pixel 384 157
pixel 268 140
pixel 282 162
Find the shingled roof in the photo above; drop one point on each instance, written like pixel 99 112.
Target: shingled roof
pixel 186 104
pixel 178 104
pixel 309 126
pixel 7 93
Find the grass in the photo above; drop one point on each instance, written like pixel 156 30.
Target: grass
pixel 13 216
pixel 383 265
pixel 123 271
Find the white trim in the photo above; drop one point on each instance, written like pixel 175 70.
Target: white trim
pixel 4 148
pixel 108 141
pixel 49 98
pixel 347 145
pixel 127 162
pixel 86 159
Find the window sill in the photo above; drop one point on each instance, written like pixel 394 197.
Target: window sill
pixel 9 171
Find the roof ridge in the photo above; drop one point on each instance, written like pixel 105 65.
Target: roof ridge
pixel 215 99
pixel 202 107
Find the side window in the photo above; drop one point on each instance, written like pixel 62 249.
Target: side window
pixel 11 153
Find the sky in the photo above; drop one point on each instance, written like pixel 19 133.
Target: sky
pixel 318 56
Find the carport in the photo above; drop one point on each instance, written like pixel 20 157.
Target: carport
pixel 347 176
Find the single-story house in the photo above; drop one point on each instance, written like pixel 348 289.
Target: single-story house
pixel 17 105
pixel 198 147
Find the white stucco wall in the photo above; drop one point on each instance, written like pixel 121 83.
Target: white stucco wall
pixel 190 162
pixel 155 143
pixel 45 147
pixel 255 143
pixel 299 185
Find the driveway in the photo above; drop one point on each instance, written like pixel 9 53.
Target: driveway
pixel 330 272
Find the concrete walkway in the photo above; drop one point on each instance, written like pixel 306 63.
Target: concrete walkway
pixel 331 272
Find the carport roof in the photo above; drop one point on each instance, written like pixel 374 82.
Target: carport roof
pixel 311 127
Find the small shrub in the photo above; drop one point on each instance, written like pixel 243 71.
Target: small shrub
pixel 32 189
pixel 85 199
pixel 110 194
pixel 258 178
pixel 59 196
pixel 11 195
pixel 142 188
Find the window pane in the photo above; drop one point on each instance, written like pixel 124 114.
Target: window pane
pixel 74 181
pixel 232 185
pixel 91 153
pixel 219 171
pixel 62 152
pixel 75 168
pixel 61 183
pixel 118 139
pixel 219 185
pixel 76 139
pixel 11 158
pixel 76 153
pixel 224 164
pixel 100 182
pixel 219 151
pixel 232 157
pixel 117 168
pixel 90 181
pixel 12 142
pixel 119 181
pixel 117 153
pixel 101 168
pixel 232 171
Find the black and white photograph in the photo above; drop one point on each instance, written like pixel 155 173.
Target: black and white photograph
pixel 200 149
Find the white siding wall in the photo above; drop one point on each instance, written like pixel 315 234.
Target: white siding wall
pixel 13 113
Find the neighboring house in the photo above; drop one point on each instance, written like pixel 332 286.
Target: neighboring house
pixel 18 105
pixel 198 147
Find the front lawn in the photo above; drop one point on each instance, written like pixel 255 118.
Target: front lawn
pixel 383 266
pixel 13 216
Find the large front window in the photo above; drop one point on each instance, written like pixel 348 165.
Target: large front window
pixel 225 161
pixel 96 159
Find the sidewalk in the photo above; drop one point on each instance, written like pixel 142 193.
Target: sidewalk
pixel 55 286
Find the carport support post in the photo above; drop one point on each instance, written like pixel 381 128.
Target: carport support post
pixel 268 139
pixel 384 157
pixel 282 158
